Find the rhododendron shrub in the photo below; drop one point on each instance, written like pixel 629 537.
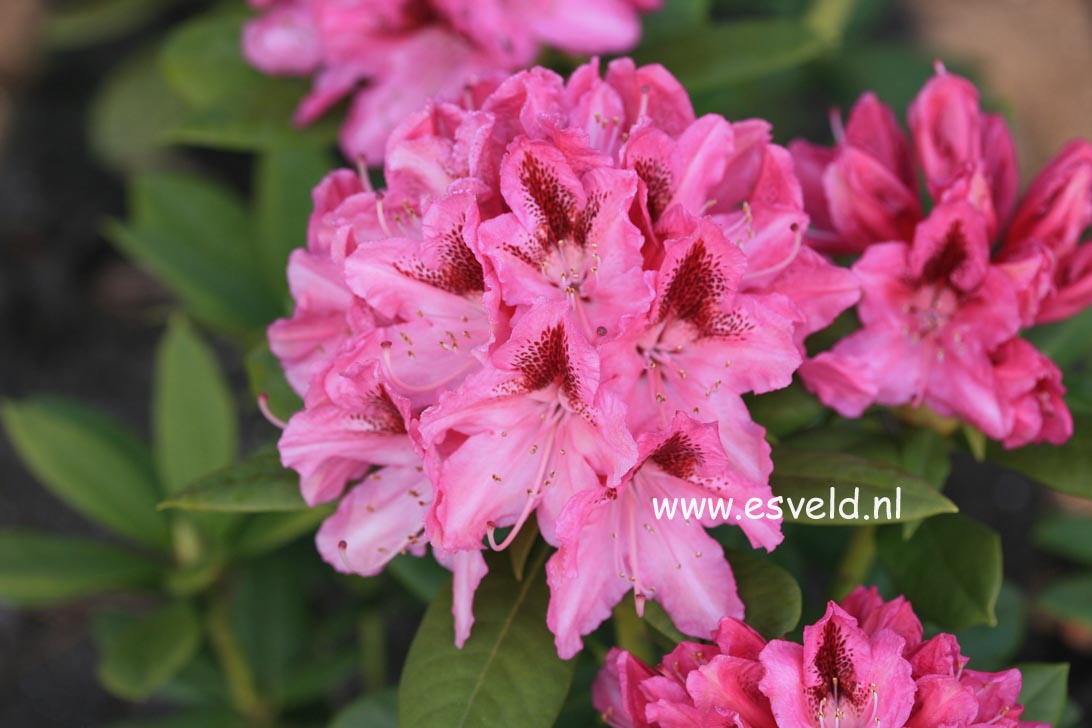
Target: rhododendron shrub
pixel 864 664
pixel 391 56
pixel 552 313
pixel 949 283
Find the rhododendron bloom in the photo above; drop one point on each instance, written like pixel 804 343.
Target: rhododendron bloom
pixel 863 665
pixel 553 313
pixel 393 55
pixel 942 303
pixel 674 562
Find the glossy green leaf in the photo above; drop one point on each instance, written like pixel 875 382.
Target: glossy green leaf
pixel 266 377
pixel 1067 342
pixel 927 454
pixel 269 613
pixel 1064 468
pixel 950 570
pixel 284 178
pixel 1065 535
pixel 202 58
pixel 884 493
pixel 258 484
pixel 1069 599
pixel 81 23
pixel 235 106
pixel 193 413
pixel 1044 691
pixel 378 710
pixel 423 578
pixel 89 461
pixel 319 677
pixel 520 549
pixel 129 114
pixel 995 647
pixel 255 120
pixel 38 568
pixel 196 237
pixel 507 674
pixel 658 620
pixel 770 595
pixel 265 532
pixel 725 53
pixel 675 18
pixel 147 653
pixel 786 411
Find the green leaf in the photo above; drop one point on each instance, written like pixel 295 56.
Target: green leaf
pixel 1063 468
pixel 925 453
pixel 786 411
pixel 129 113
pixel 193 411
pixel 90 462
pixel 202 58
pixel 37 568
pixel 196 237
pixel 266 532
pixel 256 119
pixel 950 570
pixel 995 647
pixel 1067 536
pixel 269 613
pixel 755 48
pixel 266 377
pixel 235 107
pixel 320 677
pixel 770 595
pixel 658 619
pixel 829 18
pixel 258 484
pixel 673 19
pixel 285 176
pixel 150 651
pixel 1044 692
pixel 520 549
pixel 378 710
pixel 508 673
pixel 423 578
pixel 81 23
pixel 885 494
pixel 1069 599
pixel 1067 342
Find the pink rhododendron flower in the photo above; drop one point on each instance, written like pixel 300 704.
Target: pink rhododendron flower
pixel 393 55
pixel 945 295
pixel 552 313
pixel 863 665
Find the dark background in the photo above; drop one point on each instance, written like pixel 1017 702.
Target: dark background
pixel 78 320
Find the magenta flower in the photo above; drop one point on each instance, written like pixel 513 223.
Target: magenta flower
pixel 393 55
pixel 863 665
pixel 942 303
pixel 553 313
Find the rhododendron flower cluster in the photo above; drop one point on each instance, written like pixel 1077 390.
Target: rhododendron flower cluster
pixel 393 55
pixel 946 290
pixel 552 312
pixel 865 664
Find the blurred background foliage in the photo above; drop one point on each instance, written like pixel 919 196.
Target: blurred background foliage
pixel 190 568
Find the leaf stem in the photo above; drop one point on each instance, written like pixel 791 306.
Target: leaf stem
pixel 233 663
